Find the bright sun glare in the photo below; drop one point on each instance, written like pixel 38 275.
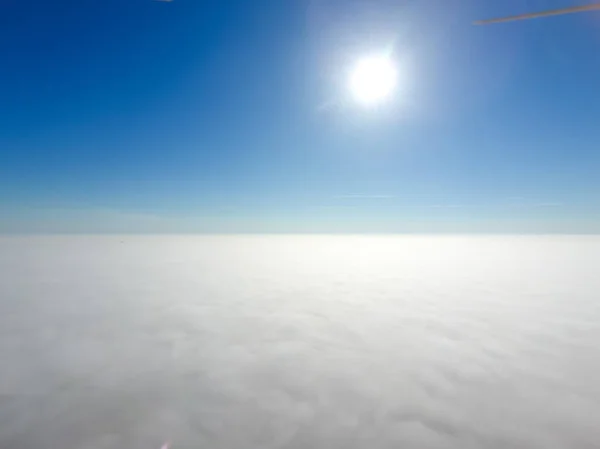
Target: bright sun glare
pixel 373 79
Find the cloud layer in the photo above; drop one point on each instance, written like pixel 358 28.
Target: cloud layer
pixel 299 342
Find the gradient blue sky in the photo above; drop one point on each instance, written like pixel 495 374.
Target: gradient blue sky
pixel 232 116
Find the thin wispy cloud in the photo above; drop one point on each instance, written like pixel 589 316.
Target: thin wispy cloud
pixel 532 203
pixel 327 106
pixel 550 204
pixel 447 206
pixel 364 197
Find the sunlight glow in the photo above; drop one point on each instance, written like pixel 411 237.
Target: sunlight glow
pixel 373 79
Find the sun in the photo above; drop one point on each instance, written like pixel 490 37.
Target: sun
pixel 373 80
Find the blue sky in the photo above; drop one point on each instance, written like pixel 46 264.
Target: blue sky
pixel 212 116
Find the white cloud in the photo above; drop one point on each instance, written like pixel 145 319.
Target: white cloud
pixel 299 342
